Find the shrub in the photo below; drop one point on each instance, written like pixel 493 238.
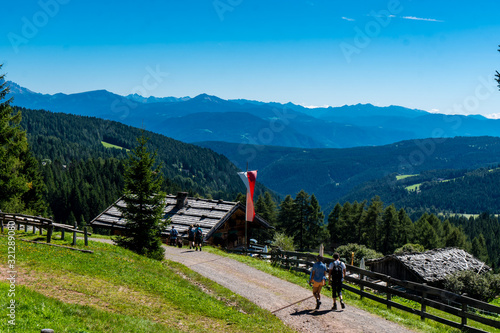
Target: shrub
pixel 410 248
pixel 360 251
pixel 484 287
pixel 283 241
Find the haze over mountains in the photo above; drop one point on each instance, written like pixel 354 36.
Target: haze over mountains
pixel 209 118
pixel 326 151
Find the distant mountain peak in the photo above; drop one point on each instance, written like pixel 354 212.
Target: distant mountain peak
pixel 17 89
pixel 208 98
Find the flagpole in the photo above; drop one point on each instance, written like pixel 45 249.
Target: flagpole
pixel 246 223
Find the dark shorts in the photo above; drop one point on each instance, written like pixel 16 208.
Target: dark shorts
pixel 198 240
pixel 336 289
pixel 191 238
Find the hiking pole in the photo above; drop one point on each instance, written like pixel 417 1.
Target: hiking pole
pixel 302 300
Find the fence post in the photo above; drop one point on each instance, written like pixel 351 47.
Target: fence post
pixel 40 228
pixel 361 286
pixel 86 236
pixel 74 234
pixel 62 234
pixel 389 295
pixel 2 218
pixel 423 306
pixel 49 232
pixel 464 317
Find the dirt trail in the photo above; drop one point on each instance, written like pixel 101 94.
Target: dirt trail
pixel 276 295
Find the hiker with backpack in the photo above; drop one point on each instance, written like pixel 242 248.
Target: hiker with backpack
pixel 336 273
pixel 198 237
pixel 191 236
pixel 318 277
pixel 173 236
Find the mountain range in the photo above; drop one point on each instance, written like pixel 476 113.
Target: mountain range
pixel 326 151
pixel 209 118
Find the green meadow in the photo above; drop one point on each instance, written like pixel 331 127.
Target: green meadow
pixel 115 290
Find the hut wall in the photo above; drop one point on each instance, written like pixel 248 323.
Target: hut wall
pixel 395 269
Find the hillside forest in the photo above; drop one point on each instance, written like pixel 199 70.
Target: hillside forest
pixel 71 167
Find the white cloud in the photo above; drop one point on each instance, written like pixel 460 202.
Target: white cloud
pixel 421 19
pixel 493 116
pixel 314 106
pixel 348 19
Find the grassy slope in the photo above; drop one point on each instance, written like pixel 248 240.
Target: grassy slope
pixel 403 318
pixel 109 145
pixel 115 290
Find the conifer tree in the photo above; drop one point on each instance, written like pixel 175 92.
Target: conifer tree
pixel 333 225
pixel 271 209
pixel 316 231
pixel 303 209
pixel 144 202
pixel 390 230
pixel 406 232
pixel 287 217
pixel 21 186
pixel 372 223
pixel 479 249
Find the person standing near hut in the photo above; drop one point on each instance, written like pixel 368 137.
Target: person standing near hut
pixel 191 236
pixel 198 237
pixel 318 277
pixel 336 273
pixel 173 236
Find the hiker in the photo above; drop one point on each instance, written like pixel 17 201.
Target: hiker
pixel 198 237
pixel 318 277
pixel 173 236
pixel 191 236
pixel 336 272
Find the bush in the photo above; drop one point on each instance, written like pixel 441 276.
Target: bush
pixel 360 251
pixel 484 287
pixel 283 241
pixel 410 248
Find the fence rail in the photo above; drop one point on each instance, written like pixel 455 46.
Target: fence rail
pixel 461 306
pixel 41 223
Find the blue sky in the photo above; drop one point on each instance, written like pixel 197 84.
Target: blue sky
pixel 435 56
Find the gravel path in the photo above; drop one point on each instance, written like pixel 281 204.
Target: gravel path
pixel 277 296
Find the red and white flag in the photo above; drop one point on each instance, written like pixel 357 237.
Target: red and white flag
pixel 249 178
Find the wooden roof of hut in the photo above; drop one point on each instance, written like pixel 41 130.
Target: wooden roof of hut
pixel 431 266
pixel 183 211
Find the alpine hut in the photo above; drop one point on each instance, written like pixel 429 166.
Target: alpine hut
pixel 222 222
pixel 431 267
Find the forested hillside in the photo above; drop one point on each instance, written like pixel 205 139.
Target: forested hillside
pixel 332 173
pixel 83 177
pixel 446 191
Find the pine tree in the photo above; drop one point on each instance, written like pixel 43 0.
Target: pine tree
pixel 425 234
pixel 479 249
pixel 144 202
pixel 390 230
pixel 303 209
pixel 406 233
pixel 271 209
pixel 316 231
pixel 333 225
pixel 371 224
pixel 287 217
pixel 21 185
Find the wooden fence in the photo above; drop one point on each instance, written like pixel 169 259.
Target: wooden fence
pixel 21 220
pixel 385 287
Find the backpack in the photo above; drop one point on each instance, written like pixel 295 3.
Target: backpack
pixel 174 233
pixel 199 233
pixel 337 271
pixel 191 232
